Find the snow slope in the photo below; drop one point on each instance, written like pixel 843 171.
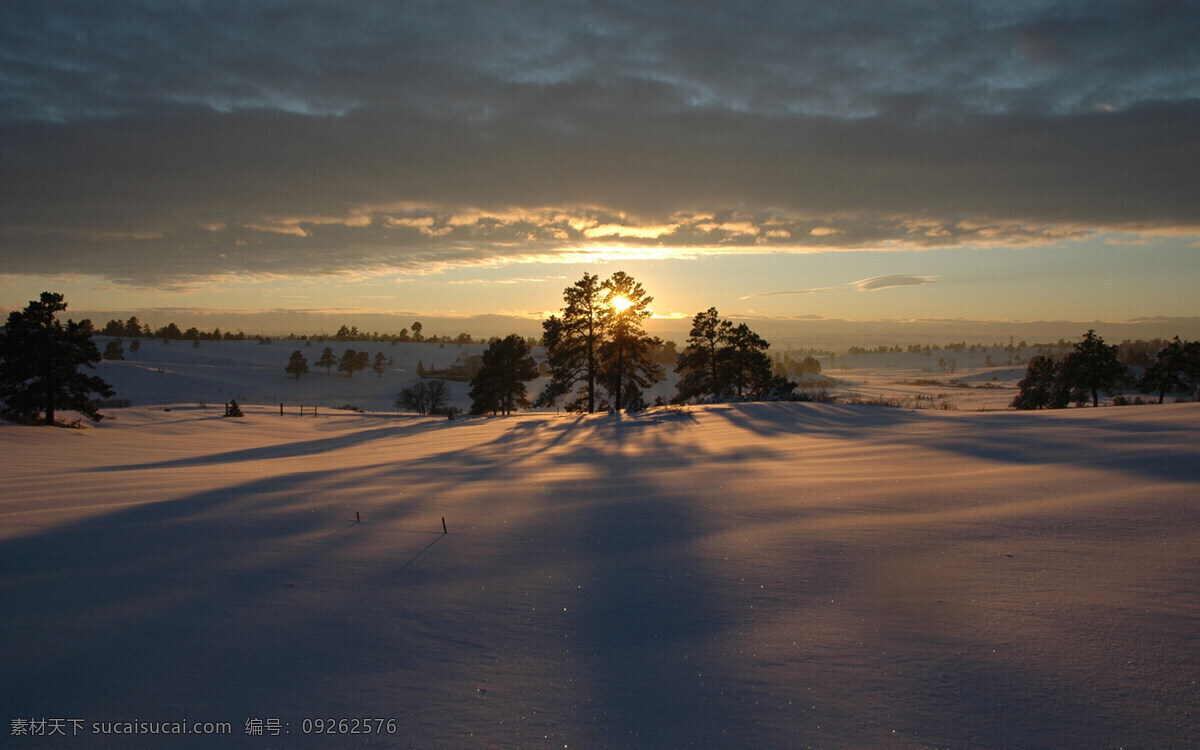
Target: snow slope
pixel 761 575
pixel 216 371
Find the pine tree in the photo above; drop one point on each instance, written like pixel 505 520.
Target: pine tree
pixel 352 361
pixel 499 386
pixel 1092 367
pixel 722 360
pixel 39 361
pixel 744 362
pixel 1176 366
pixel 114 349
pixel 1038 389
pixel 380 365
pixel 573 346
pixel 327 359
pixel 599 342
pixel 699 364
pixel 297 365
pixel 626 363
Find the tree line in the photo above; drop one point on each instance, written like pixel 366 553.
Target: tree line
pixel 1093 367
pixel 350 362
pixel 135 329
pixel 598 357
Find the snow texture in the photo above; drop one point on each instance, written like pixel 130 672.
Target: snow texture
pixel 755 575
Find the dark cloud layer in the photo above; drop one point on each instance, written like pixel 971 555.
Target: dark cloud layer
pixel 160 143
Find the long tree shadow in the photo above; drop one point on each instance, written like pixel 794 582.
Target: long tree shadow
pixel 245 598
pixel 299 448
pixel 229 600
pixel 645 623
pixel 1080 437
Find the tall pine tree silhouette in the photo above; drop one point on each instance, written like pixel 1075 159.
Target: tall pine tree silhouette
pixel 40 360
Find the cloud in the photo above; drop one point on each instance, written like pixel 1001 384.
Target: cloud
pixel 814 290
pixel 859 59
pixel 154 146
pixel 875 283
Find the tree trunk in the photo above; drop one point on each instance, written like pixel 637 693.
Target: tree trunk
pixel 51 388
pixel 620 375
pixel 591 377
pixel 714 372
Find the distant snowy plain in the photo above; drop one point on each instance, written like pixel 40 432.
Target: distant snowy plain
pixel 754 575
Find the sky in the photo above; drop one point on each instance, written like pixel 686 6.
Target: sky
pixel 864 161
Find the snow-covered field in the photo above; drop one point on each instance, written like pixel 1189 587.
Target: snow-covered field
pixel 215 372
pixel 249 372
pixel 758 575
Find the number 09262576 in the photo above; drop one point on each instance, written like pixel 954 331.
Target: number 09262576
pixel 331 725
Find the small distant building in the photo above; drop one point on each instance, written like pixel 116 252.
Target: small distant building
pixel 462 370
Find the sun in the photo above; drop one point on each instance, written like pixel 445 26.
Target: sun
pixel 620 303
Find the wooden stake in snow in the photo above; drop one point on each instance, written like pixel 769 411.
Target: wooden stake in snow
pixel 444 525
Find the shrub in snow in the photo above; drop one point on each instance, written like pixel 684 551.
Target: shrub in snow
pixel 424 396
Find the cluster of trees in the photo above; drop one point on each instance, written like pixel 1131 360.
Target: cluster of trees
pixel 350 362
pixel 723 362
pixel 1093 367
pixel 597 352
pixel 115 348
pixel 40 359
pixel 497 388
pixel 599 357
pixel 785 364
